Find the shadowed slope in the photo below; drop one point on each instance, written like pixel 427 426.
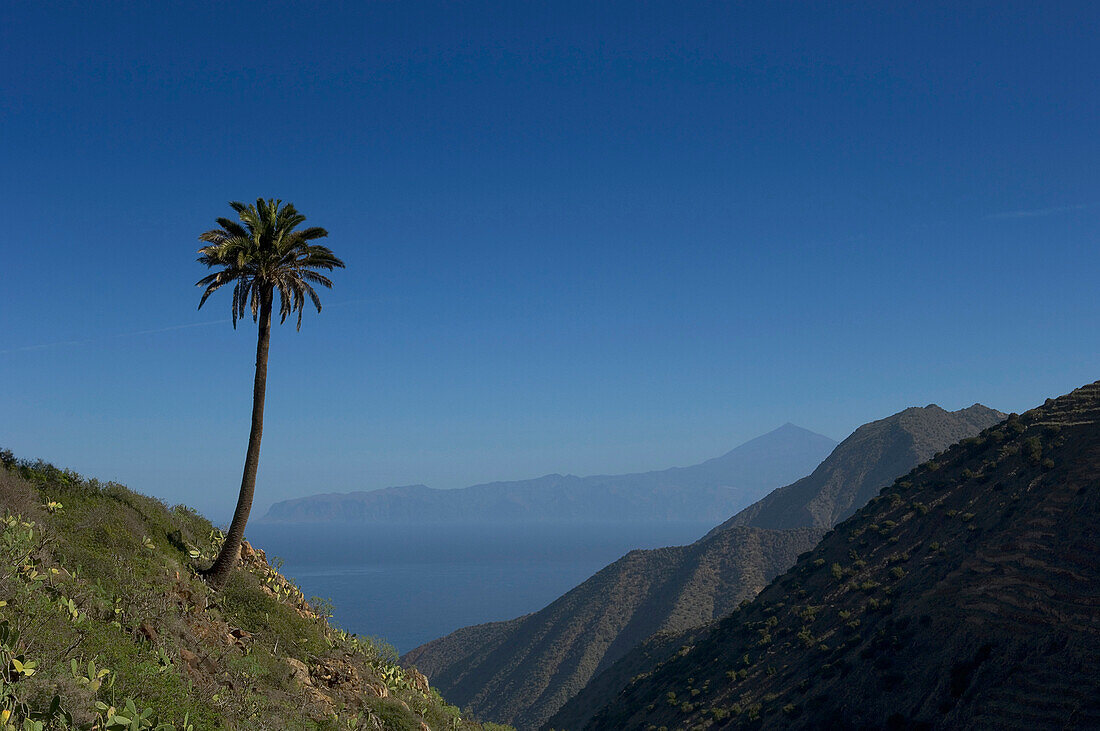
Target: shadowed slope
pixel 966 595
pixel 525 670
pixel 869 459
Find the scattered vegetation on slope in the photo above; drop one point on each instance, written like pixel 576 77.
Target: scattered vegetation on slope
pixel 964 595
pixel 104 624
pixel 868 460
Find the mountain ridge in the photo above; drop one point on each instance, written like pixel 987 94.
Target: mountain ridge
pixel 708 490
pixel 823 499
pixel 679 588
pixel 962 595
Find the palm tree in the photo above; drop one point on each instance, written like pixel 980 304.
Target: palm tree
pixel 261 255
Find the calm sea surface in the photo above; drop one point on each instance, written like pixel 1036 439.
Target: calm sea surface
pixel 411 584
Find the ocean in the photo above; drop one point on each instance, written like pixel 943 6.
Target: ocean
pixel 411 584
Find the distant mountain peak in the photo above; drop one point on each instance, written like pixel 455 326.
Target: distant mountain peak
pixel 787 437
pixel 789 428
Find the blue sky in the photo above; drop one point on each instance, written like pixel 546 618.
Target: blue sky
pixel 580 237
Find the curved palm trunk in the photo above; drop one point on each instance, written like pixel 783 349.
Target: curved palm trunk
pixel 227 559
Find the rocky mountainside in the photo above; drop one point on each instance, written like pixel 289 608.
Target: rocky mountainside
pixel 524 670
pixel 707 491
pixel 873 456
pixel 966 595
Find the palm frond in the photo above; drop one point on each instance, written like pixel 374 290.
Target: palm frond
pixel 233 228
pixel 311 233
pixel 316 278
pixel 312 295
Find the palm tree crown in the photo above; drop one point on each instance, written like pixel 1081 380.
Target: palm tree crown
pixel 264 253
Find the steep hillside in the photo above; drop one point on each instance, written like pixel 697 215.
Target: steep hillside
pixel 558 650
pixel 105 625
pixel 967 595
pixel 866 462
pixel 524 669
pixel 707 491
pixel 874 455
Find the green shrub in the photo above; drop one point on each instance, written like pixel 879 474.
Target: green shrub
pixel 270 620
pixel 1034 449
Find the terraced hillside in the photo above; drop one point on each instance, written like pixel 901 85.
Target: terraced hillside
pixel 967 594
pixel 524 670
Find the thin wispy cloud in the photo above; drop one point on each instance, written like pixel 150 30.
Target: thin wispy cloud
pixel 88 341
pixel 1037 212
